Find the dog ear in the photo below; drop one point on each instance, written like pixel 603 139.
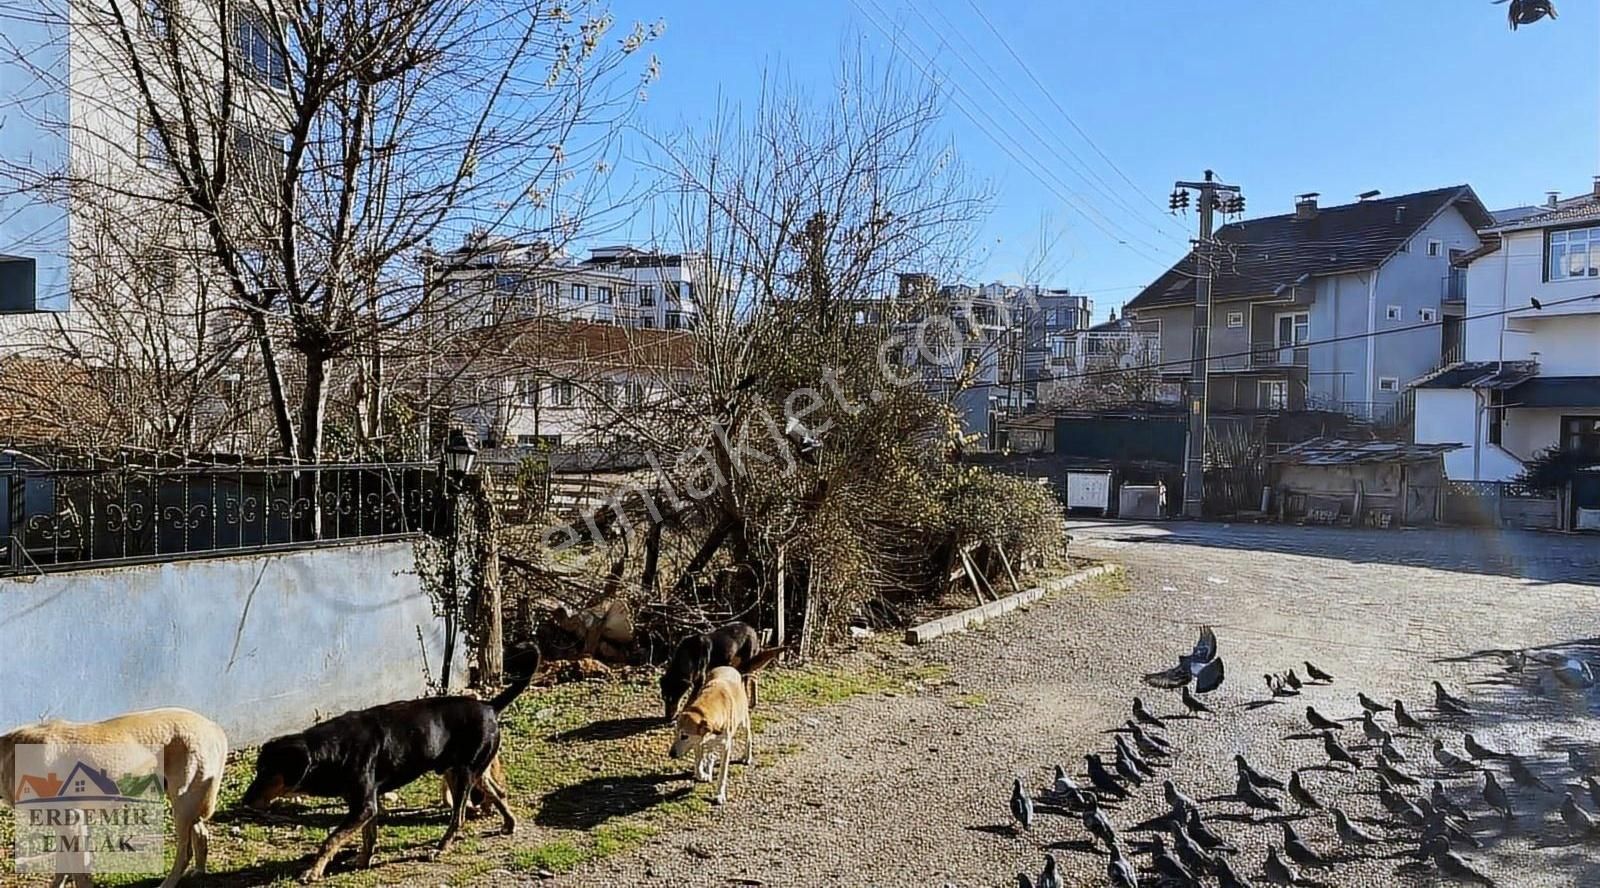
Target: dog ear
pixel 763 658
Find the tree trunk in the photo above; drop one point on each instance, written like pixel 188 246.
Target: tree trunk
pixel 652 559
pixel 707 550
pixel 486 619
pixel 277 396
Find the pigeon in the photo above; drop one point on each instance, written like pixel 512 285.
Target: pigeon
pixel 1292 680
pixel 1201 666
pixel 1395 775
pixel 1049 877
pixel 1532 300
pixel 1580 761
pixel 1023 881
pixel 1337 753
pixel 1135 759
pixel 1144 715
pixel 1449 760
pixel 1207 839
pixel 1299 851
pixel 1301 795
pixel 1522 776
pixel 1196 858
pixel 1277 870
pixel 1478 751
pixel 805 445
pixel 1374 731
pixel 1126 769
pixel 1021 805
pixel 1064 784
pixel 1495 795
pixel 1516 661
pixel 1120 872
pixel 1317 674
pixel 1392 752
pixel 1167 866
pixel 1593 786
pixel 1099 826
pixel 1349 833
pixel 1192 703
pixel 1255 777
pixel 1182 806
pixel 1102 779
pixel 1278 688
pixel 1442 802
pixel 1404 718
pixel 1148 743
pixel 1321 722
pixel 1436 823
pixel 1254 798
pixel 1370 705
pixel 1444 702
pixel 1578 820
pixel 1401 807
pixel 1573 673
pixel 1453 865
pixel 1228 878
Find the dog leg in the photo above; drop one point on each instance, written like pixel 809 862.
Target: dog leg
pixel 459 777
pixel 749 744
pixel 369 841
pixel 201 836
pixel 357 819
pixel 183 824
pixel 727 763
pixel 496 794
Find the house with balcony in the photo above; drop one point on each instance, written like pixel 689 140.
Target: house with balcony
pixel 1118 361
pixel 1528 378
pixel 1325 308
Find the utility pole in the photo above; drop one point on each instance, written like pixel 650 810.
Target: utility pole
pixel 1194 463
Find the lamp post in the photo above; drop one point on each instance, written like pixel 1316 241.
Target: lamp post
pixel 459 455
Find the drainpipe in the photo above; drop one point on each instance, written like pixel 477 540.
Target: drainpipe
pixel 1477 434
pixel 1372 338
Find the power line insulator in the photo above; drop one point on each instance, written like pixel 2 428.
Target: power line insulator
pixel 1179 200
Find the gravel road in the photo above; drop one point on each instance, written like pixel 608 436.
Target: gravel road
pixel 911 789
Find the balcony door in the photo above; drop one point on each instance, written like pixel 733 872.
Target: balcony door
pixel 1294 331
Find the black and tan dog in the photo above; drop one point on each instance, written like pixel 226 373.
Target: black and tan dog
pixel 361 755
pixel 735 644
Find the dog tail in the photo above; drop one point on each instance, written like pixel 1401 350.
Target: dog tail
pixel 518 685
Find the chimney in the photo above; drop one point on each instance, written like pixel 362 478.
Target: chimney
pixel 1399 214
pixel 1596 191
pixel 1365 196
pixel 1305 206
pixel 1551 198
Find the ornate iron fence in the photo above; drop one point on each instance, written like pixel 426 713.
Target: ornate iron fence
pixel 91 511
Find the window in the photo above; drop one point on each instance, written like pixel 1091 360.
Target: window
pixel 260 156
pixel 603 295
pixel 1428 315
pixel 685 291
pixel 563 394
pixel 1235 320
pixel 156 17
pixel 1497 416
pixel 1058 348
pixel 261 50
pixel 647 322
pixel 1435 248
pixel 551 291
pixel 528 392
pixel 508 283
pixel 1393 313
pixel 1274 394
pixel 674 320
pixel 1574 253
pixel 1581 434
pixel 1388 384
pixel 1294 329
pixel 486 319
pixel 580 292
pixel 635 393
pixel 153 151
pixel 647 296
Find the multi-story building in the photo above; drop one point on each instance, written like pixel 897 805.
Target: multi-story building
pixel 1331 308
pixel 1528 378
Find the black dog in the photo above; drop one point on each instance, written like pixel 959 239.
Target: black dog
pixel 361 755
pixel 735 644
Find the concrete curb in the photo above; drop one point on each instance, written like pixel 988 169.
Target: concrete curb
pixel 966 619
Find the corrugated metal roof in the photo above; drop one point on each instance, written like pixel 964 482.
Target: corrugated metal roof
pixel 1479 374
pixel 1339 452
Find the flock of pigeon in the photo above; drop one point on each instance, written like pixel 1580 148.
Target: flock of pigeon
pixel 1426 825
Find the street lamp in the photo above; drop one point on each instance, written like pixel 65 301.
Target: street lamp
pixel 459 454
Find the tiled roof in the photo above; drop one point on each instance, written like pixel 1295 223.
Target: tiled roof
pixel 1260 255
pixel 1582 209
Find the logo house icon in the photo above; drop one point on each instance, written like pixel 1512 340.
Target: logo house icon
pixel 84 783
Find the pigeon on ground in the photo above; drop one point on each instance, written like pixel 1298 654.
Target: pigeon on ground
pixel 1317 674
pixel 1099 826
pixel 1197 859
pixel 1404 719
pixel 1436 823
pixel 1371 705
pixel 1292 680
pixel 1349 833
pixel 1495 795
pixel 1201 666
pixel 1021 805
pixel 1124 750
pixel 1395 775
pixel 1321 722
pixel 1373 731
pixel 1522 776
pixel 1254 798
pixel 1168 866
pixel 1101 778
pixel 1023 881
pixel 1444 702
pixel 1337 753
pixel 1478 751
pixel 1207 839
pixel 1227 877
pixel 1580 761
pixel 1578 821
pixel 1277 870
pixel 1126 769
pixel 1278 688
pixel 1453 865
pixel 1301 795
pixel 1120 872
pixel 1443 802
pixel 1145 716
pixel 1393 752
pixel 1050 877
pixel 1255 777
pixel 1449 760
pixel 1064 784
pixel 1299 851
pixel 1148 743
pixel 1182 805
pixel 1192 703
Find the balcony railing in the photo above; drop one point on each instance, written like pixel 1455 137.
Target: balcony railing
pixel 1274 354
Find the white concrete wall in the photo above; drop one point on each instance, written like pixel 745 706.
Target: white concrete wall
pixel 262 645
pixel 1528 431
pixel 1563 333
pixel 1448 416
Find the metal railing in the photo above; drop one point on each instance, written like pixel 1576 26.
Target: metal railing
pixel 62 516
pixel 1271 354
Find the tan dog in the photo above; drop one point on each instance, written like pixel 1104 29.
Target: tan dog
pixel 711 722
pixel 194 751
pixel 495 773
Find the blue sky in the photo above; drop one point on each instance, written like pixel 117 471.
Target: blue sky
pixel 1279 98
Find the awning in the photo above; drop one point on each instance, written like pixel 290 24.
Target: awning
pixel 1556 391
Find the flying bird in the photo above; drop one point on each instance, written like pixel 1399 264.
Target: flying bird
pixel 1145 716
pixel 1321 722
pixel 1478 751
pixel 1453 865
pixel 1349 833
pixel 1526 12
pixel 1299 851
pixel 1445 702
pixel 1404 719
pixel 1495 795
pixel 1370 705
pixel 1021 805
pixel 1102 779
pixel 1255 777
pixel 1202 666
pixel 1317 674
pixel 1301 795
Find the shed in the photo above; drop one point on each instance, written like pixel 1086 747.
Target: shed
pixel 1373 483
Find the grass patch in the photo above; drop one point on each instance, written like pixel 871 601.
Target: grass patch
pixel 970 701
